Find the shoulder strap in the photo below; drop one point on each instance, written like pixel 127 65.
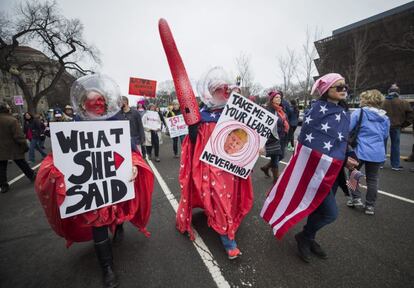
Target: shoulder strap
pixel 358 127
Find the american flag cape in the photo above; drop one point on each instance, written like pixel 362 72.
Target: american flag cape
pixel 312 170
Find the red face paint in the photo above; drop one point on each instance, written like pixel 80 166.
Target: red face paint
pixel 95 104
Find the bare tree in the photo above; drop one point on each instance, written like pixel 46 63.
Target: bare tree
pixel 287 66
pixel 245 73
pixel 42 25
pixel 165 93
pixel 306 63
pixel 359 55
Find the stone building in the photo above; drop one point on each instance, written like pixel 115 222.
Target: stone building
pixel 31 62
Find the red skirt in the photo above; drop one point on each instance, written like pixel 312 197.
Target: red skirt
pixel 50 188
pixel 225 198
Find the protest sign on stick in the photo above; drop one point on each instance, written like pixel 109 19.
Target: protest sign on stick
pixel 241 131
pixel 95 159
pixel 176 126
pixel 142 87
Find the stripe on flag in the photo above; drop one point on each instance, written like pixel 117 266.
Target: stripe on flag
pixel 306 181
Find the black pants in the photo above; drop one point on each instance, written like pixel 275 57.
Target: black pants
pixel 100 234
pixel 175 143
pixel 291 135
pixel 155 142
pixel 22 165
pixel 341 181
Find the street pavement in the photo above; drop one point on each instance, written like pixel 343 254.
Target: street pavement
pixel 364 251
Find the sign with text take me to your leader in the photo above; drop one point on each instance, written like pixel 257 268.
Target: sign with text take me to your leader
pixel 243 128
pixel 95 159
pixel 142 87
pixel 176 126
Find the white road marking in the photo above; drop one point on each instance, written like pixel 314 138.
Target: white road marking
pixel 22 175
pixel 198 243
pixel 365 187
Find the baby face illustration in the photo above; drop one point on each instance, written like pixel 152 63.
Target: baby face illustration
pixel 235 141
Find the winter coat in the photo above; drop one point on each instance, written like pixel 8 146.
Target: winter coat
pixel 374 130
pixel 146 120
pixel 13 143
pixel 398 111
pixel 278 136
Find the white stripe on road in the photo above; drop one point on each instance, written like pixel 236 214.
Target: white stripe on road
pixel 22 175
pixel 198 243
pixel 379 191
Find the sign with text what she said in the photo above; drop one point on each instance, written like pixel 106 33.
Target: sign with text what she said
pixel 95 159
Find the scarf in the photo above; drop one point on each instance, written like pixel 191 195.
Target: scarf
pixel 281 114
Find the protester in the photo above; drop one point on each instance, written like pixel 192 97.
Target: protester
pixel 293 124
pixel 97 98
pixel 175 111
pixel 307 186
pixel 13 146
pixel 152 127
pixel 225 198
pixel 333 91
pixel 401 115
pixel 68 114
pixel 370 149
pixel 163 124
pixel 141 110
pixel 28 118
pixel 275 145
pixel 135 123
pixel 37 133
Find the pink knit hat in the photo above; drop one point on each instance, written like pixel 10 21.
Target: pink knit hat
pixel 325 82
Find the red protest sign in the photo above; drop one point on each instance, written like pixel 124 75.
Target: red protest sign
pixel 142 87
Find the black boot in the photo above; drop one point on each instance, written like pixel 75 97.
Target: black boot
pixel 304 247
pixel 104 252
pixel 119 234
pixel 317 250
pixel 4 188
pixel 265 169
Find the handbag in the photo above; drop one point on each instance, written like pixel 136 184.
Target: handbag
pixel 273 148
pixel 353 135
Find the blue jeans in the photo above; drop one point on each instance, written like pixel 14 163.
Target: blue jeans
pixel 325 214
pixel 395 147
pixel 227 243
pixel 35 144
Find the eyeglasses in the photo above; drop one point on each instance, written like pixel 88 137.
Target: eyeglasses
pixel 341 88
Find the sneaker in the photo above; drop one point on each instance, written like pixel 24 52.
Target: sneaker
pixel 316 249
pixel 357 203
pixel 350 201
pixel 176 156
pixel 369 210
pixel 397 168
pixel 304 249
pixel 233 253
pixel 157 159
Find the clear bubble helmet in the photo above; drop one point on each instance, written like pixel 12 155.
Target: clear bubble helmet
pixel 215 88
pixel 95 97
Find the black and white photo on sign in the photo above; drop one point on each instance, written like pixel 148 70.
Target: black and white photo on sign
pixel 243 128
pixel 95 159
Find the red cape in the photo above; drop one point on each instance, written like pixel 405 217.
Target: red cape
pixel 51 190
pixel 225 198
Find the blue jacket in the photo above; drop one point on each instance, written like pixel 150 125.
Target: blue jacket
pixel 372 134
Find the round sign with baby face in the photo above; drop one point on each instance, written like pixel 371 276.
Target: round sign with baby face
pixel 235 142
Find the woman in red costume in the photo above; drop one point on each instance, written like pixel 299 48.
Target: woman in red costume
pixel 96 97
pixel 225 198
